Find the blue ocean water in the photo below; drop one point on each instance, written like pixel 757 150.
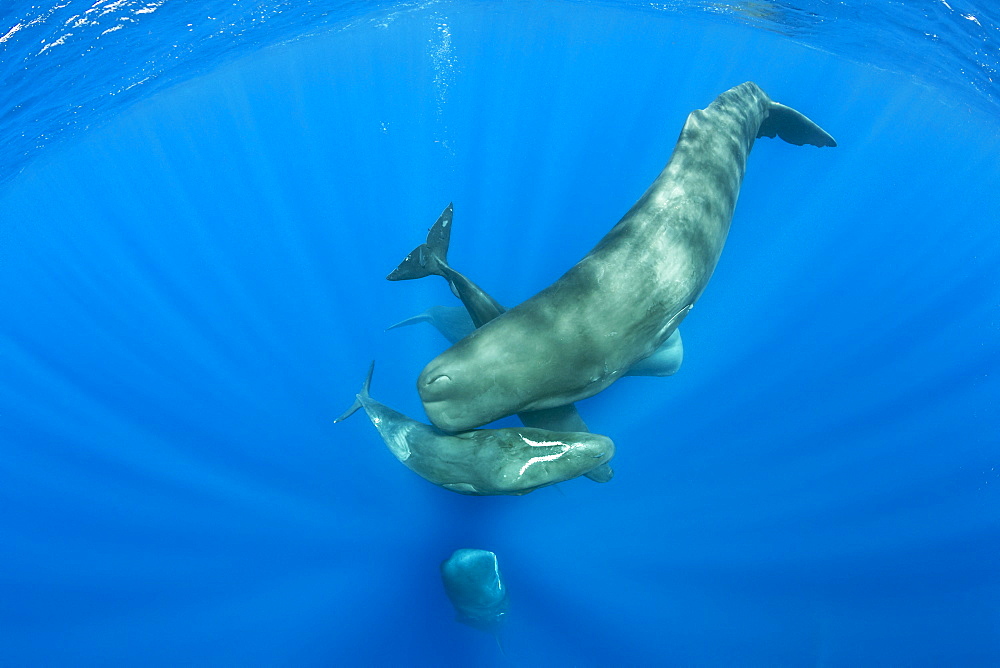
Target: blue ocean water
pixel 201 202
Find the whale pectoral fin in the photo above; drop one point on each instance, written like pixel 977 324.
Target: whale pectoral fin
pixel 422 317
pixel 665 360
pixel 461 488
pixel 793 127
pixel 675 322
pixel 453 322
pixel 665 334
pixel 557 418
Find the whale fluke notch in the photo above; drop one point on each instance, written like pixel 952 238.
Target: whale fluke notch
pixel 428 258
pixel 363 394
pixel 794 127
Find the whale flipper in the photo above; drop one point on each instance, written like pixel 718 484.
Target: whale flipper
pixel 665 360
pixel 420 317
pixel 453 322
pixel 794 127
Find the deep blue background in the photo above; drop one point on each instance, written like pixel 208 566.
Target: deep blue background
pixel 192 292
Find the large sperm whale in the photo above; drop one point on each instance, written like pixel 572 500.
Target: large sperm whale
pixel 483 462
pixel 626 297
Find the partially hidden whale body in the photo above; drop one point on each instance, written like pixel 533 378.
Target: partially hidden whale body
pixel 475 588
pixel 431 259
pixel 626 297
pixel 484 462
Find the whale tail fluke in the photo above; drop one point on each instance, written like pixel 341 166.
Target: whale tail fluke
pixel 793 127
pixel 363 394
pixel 430 257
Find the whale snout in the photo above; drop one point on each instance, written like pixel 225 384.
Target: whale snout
pixel 600 448
pixel 457 395
pixel 435 384
pixel 440 395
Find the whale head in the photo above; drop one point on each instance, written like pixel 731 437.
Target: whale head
pixel 473 582
pixel 462 388
pixel 537 457
pixel 453 397
pixel 517 362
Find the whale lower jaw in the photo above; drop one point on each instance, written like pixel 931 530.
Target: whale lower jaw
pixel 439 415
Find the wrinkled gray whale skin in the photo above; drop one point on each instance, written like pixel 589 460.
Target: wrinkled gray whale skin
pixel 484 462
pixel 431 258
pixel 625 298
pixel 475 588
pixel 455 324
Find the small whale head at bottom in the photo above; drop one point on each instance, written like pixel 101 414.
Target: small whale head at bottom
pixel 475 587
